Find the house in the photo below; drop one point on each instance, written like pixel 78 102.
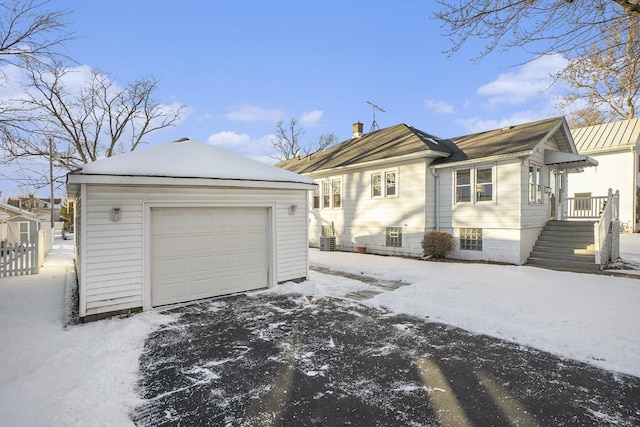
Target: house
pixel 494 191
pixel 39 206
pixel 182 221
pixel 18 225
pixel 616 148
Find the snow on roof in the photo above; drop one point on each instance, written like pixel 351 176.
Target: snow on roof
pixel 189 158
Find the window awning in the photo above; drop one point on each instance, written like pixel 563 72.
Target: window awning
pixel 560 158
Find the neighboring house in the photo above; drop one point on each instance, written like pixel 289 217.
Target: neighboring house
pixel 494 191
pixel 40 207
pixel 183 221
pixel 616 148
pixel 20 226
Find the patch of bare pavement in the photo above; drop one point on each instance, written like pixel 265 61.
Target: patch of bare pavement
pixel 291 360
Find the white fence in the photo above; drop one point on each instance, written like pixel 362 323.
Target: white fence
pixel 17 259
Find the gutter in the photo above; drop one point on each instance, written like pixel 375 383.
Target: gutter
pixel 497 158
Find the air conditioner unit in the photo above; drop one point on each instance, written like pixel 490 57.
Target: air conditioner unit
pixel 328 243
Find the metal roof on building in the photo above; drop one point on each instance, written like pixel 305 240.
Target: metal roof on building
pixel 607 136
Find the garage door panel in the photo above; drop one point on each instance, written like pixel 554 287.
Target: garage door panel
pixel 214 251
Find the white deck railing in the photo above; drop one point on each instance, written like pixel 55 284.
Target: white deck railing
pixel 585 207
pixel 602 231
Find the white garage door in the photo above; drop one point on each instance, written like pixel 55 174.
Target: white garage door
pixel 204 252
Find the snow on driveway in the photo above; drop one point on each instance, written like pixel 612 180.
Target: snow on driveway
pixel 588 317
pixel 87 374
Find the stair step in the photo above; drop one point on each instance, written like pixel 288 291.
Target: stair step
pixel 569 265
pixel 565 245
pixel 563 257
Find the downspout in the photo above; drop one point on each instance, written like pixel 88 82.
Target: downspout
pixel 437 201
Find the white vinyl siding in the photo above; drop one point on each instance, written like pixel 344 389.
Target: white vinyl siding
pixel 363 219
pixel 114 252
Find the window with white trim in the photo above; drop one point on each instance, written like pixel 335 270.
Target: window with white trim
pixel 24 232
pixel 479 178
pixel 390 183
pixel 535 183
pixel 336 186
pixel 329 195
pixel 326 194
pixel 384 184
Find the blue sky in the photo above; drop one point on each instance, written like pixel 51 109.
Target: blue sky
pixel 239 66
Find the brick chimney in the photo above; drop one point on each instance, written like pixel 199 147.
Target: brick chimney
pixel 357 130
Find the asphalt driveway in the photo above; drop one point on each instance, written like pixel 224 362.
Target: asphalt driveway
pixel 291 360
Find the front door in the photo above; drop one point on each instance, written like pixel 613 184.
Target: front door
pixel 556 183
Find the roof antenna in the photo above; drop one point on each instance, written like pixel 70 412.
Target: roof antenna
pixel 374 124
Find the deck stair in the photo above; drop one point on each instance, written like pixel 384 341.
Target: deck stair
pixel 566 245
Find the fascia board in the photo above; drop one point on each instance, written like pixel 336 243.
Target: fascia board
pixel 74 179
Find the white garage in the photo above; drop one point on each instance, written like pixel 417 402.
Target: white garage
pixel 184 221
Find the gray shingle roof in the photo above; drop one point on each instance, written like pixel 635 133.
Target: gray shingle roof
pixel 501 142
pixel 403 139
pixel 386 143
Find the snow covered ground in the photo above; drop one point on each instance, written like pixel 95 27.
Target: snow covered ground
pixel 86 374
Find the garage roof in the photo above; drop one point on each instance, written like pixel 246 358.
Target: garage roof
pixel 185 158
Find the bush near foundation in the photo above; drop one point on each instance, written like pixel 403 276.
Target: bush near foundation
pixel 438 244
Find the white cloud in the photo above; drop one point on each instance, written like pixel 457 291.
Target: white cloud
pixel 311 119
pixel 439 107
pixel 249 113
pixel 243 144
pixel 478 124
pixel 228 139
pixel 528 81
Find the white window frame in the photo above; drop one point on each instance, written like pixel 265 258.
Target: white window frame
pixel 473 184
pixel 326 187
pixel 384 187
pixel 26 233
pixel 333 193
pixel 535 183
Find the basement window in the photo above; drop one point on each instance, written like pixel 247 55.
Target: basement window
pixel 471 239
pixel 394 237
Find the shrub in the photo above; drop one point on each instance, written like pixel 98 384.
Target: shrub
pixel 438 244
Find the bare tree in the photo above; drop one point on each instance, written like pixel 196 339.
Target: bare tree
pixel 30 30
pixel 607 78
pixel 588 116
pixel 93 120
pixel 287 142
pixel 541 26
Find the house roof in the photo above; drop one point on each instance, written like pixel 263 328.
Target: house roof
pixel 4 207
pixel 395 141
pixel 505 141
pixel 607 136
pixel 186 158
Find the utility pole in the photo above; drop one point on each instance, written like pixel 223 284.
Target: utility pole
pixel 51 181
